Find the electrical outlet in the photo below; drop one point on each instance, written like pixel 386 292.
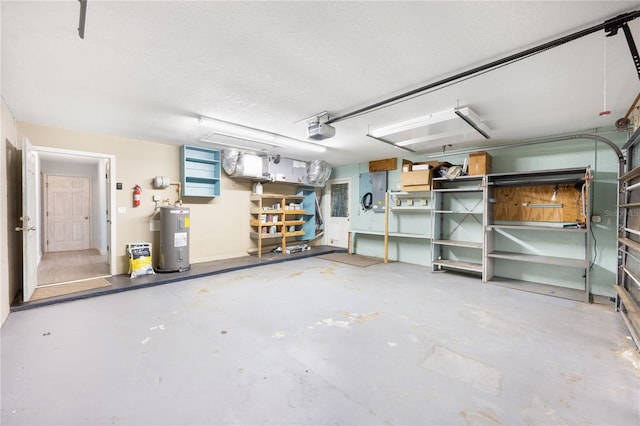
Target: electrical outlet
pixel 156 198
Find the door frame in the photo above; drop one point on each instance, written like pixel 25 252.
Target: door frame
pixel 110 196
pixel 327 207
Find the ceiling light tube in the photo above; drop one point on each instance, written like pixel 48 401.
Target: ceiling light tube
pixel 239 131
pixel 433 127
pixel 273 144
pixel 429 138
pixel 245 148
pixel 414 123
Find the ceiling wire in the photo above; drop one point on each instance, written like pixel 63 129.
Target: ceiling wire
pixel 604 111
pixel 446 82
pixel 453 83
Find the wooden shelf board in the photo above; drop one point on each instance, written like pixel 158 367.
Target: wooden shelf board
pixel 256 222
pixel 257 197
pixel 631 231
pixel 294 234
pixel 256 210
pixel 630 274
pixel 633 311
pixel 293 212
pixel 629 243
pixel 294 222
pixel 470 244
pixel 630 175
pixel 455 264
pixel 534 258
pixel 265 235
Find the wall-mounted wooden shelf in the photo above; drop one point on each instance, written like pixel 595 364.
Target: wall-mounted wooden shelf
pixel 200 172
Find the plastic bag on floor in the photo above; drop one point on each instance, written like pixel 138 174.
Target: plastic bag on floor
pixel 140 259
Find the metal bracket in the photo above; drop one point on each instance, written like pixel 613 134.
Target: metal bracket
pixel 83 15
pixel 611 28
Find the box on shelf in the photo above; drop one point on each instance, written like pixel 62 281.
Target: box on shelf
pixel 479 163
pixel 419 175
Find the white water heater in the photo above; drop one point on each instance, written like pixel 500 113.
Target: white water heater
pixel 174 239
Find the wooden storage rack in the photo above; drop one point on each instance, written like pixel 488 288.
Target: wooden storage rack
pixel 287 217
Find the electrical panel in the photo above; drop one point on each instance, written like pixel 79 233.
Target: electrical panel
pixel 373 187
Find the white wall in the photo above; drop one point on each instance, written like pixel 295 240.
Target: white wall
pixel 219 226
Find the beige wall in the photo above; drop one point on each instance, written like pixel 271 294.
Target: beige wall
pixel 219 226
pixel 7 289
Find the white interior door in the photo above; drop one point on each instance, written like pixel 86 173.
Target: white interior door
pixel 67 216
pixel 337 213
pixel 29 220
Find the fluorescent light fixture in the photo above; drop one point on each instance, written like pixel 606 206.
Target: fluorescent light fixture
pixel 456 124
pixel 222 140
pixel 211 138
pixel 225 129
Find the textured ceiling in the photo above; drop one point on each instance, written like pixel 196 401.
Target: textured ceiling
pixel 148 70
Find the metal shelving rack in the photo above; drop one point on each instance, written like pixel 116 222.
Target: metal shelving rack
pixel 580 175
pixel 458 215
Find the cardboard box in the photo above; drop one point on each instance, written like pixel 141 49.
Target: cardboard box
pixel 479 163
pixel 418 180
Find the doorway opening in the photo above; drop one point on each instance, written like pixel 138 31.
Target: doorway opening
pixel 74 204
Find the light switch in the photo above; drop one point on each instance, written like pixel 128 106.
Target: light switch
pixel 122 210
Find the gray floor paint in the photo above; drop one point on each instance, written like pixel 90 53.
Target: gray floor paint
pixel 320 342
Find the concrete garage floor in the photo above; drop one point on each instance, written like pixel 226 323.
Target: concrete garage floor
pixel 313 341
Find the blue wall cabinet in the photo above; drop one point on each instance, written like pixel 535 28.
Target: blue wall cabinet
pixel 200 171
pixel 308 204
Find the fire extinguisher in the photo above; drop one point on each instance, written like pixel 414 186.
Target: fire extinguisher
pixel 136 195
